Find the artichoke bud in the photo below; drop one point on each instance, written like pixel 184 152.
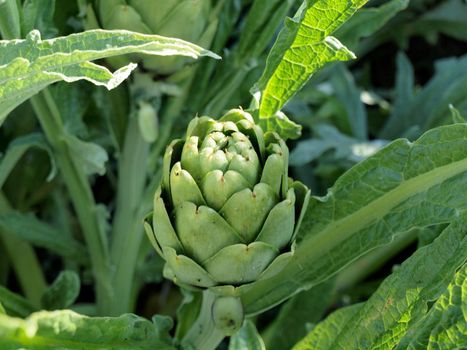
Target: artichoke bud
pixel 161 17
pixel 227 313
pixel 226 213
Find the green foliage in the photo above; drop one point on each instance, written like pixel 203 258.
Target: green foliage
pixel 407 306
pixel 66 329
pixel 381 247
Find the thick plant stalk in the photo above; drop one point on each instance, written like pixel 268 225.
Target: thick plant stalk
pixel 204 334
pixel 24 262
pixel 81 196
pixel 127 227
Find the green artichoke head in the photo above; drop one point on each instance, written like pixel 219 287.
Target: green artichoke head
pixel 226 212
pixel 190 20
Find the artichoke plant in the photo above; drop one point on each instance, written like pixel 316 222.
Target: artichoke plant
pixel 226 213
pixel 191 20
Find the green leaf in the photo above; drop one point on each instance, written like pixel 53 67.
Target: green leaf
pixel 347 92
pixel 447 18
pixel 303 46
pixel 403 302
pixel 367 21
pixel 325 331
pixel 39 14
pixel 27 66
pixel 29 228
pixel 63 292
pixel 14 304
pixel 246 338
pixel 9 19
pixel 91 156
pixel 17 149
pixel 430 106
pixel 456 115
pixel 300 312
pixel 403 186
pixel 445 325
pixel 69 330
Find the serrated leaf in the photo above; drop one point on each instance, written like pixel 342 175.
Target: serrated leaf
pixel 29 228
pixel 247 338
pixel 63 292
pixel 403 186
pixel 27 66
pixel 303 46
pixel 69 330
pixel 402 302
pixel 445 325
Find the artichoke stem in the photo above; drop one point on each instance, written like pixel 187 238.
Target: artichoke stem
pixel 204 334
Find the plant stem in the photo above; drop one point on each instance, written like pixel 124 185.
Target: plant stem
pixel 204 334
pixel 127 226
pixel 81 195
pixel 24 261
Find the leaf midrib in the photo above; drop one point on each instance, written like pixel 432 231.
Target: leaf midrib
pixel 344 228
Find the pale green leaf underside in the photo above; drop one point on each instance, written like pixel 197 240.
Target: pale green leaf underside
pixel 311 47
pixel 398 316
pixel 69 330
pixel 27 66
pixel 405 185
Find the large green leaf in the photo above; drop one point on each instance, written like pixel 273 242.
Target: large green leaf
pixel 304 45
pixel 69 330
pixel 401 311
pixel 403 186
pixel 27 66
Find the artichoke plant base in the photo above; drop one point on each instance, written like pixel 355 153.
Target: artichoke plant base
pixel 226 213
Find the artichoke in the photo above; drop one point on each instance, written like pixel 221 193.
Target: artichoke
pixel 226 212
pixel 191 20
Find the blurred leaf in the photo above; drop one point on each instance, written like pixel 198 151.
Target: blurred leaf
pixel 430 106
pixel 302 47
pixel 68 330
pixel 402 302
pixel 348 93
pixel 449 18
pixel 247 338
pixel 9 19
pixel 404 185
pixel 38 14
pixel 367 21
pixel 456 115
pixel 90 156
pixel 29 228
pixel 17 149
pixel 72 101
pixel 14 304
pixel 27 66
pixel 328 138
pixel 63 292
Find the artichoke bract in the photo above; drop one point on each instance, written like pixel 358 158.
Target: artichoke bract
pixel 191 20
pixel 226 212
